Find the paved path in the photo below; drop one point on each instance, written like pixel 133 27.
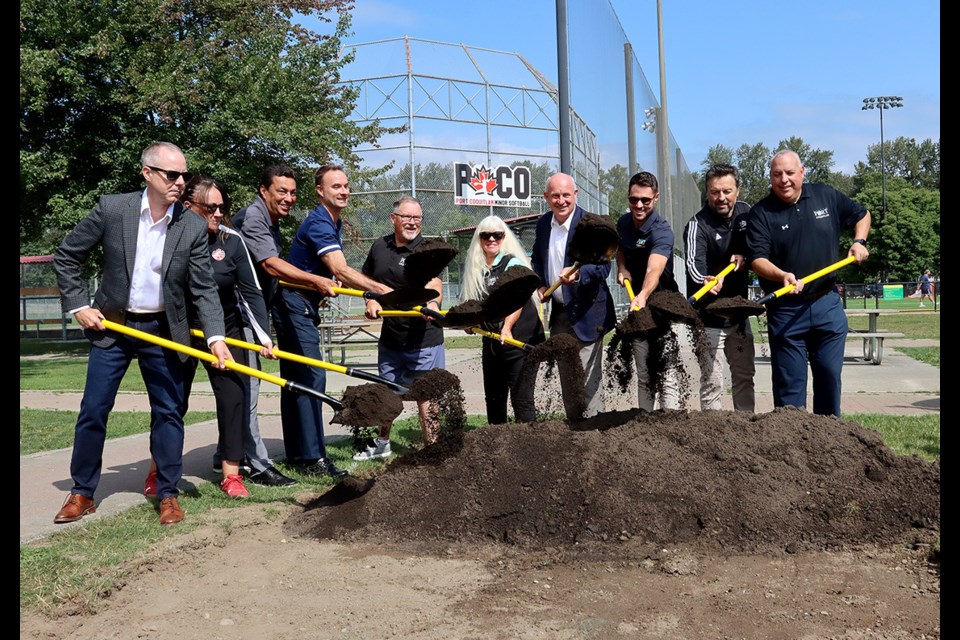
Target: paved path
pixel 900 386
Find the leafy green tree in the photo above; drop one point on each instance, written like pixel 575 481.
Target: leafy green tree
pixel 237 85
pixel 613 182
pixel 717 154
pixel 918 164
pixel 905 239
pixel 754 164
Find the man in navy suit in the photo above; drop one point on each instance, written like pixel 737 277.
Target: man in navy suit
pixel 155 265
pixel 582 305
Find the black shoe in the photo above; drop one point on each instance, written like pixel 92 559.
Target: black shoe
pixel 271 477
pixel 325 467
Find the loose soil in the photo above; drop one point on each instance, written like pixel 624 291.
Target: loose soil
pixel 427 261
pixel 558 355
pixel 734 308
pixel 595 239
pixel 627 525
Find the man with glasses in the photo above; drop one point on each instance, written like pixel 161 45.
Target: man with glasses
pixel 155 264
pixel 582 306
pixel 316 250
pixel 408 347
pixel 645 258
pixel 713 238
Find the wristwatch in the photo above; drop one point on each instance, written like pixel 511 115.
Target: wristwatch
pixel 862 241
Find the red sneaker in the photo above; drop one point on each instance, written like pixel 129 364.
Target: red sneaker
pixel 150 485
pixel 232 485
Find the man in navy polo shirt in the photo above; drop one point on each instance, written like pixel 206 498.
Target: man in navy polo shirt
pixel 796 230
pixel 713 238
pixel 316 249
pixel 645 257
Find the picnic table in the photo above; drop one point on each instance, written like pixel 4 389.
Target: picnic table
pixel 873 336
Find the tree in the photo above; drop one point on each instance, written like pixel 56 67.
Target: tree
pixel 717 154
pixel 905 239
pixel 918 164
pixel 236 85
pixel 613 182
pixel 754 164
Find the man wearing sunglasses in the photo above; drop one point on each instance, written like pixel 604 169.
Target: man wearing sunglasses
pixel 155 265
pixel 713 238
pixel 645 258
pixel 582 305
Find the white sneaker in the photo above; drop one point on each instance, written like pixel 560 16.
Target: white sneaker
pixel 379 450
pixel 922 305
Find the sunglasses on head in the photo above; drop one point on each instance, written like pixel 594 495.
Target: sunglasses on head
pixel 644 201
pixel 491 235
pixel 171 175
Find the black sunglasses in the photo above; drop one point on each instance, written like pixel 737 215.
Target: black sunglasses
pixel 171 175
pixel 209 207
pixel 491 235
pixel 644 201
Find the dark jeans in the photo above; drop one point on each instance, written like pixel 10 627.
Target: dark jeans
pixel 295 319
pixel 802 331
pixel 163 374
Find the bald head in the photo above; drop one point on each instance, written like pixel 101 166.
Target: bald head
pixel 786 176
pixel 561 196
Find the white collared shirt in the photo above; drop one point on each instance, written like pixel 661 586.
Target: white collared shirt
pixel 556 251
pixel 146 282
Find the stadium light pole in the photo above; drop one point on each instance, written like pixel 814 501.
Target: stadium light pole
pixel 882 103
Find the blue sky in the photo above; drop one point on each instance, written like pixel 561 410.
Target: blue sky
pixel 736 72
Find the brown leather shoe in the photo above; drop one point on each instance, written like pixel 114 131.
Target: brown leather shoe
pixel 75 507
pixel 170 511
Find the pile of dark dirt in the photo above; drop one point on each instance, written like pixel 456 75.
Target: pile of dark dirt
pixel 427 261
pixel 786 481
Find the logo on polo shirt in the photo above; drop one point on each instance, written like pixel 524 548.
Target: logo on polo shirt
pixel 784 227
pixel 719 237
pixel 743 225
pixel 821 213
pixel 218 254
pixel 403 261
pixel 641 243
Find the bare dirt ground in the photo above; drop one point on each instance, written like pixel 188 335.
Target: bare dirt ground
pixel 664 525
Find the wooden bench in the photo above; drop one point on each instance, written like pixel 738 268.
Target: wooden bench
pixel 35 324
pixel 341 334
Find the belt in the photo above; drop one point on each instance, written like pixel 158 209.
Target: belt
pixel 145 317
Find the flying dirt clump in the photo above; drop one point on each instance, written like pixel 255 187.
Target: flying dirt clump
pixel 367 406
pixel 735 308
pixel 619 483
pixel 442 389
pixel 560 354
pixel 427 261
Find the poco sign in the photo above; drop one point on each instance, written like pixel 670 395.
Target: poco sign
pixel 501 186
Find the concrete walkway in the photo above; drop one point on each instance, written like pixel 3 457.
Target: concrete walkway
pixel 900 386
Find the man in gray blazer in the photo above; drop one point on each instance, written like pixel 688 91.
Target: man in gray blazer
pixel 155 264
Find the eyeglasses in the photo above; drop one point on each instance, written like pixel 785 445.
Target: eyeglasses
pixel 408 219
pixel 634 200
pixel 209 208
pixel 491 235
pixel 171 175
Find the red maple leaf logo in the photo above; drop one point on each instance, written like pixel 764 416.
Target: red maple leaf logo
pixel 482 182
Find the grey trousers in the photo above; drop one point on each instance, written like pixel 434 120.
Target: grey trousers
pixel 736 345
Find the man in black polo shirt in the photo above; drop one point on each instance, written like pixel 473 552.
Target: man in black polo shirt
pixel 712 239
pixel 645 257
pixel 796 230
pixel 409 347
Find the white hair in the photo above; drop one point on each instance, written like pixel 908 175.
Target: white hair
pixel 474 285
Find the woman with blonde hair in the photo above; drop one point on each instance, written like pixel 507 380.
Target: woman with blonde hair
pixel 493 251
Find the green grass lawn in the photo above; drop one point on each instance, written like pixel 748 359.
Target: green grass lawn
pixel 45 430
